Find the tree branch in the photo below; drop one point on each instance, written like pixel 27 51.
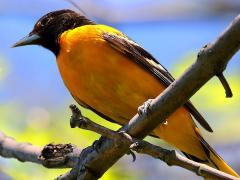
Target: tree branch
pixel 172 158
pixel 9 148
pixel 51 156
pixel 212 60
pixel 140 146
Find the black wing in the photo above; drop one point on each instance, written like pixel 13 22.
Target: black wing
pixel 142 57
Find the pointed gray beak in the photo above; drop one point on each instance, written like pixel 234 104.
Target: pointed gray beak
pixel 28 40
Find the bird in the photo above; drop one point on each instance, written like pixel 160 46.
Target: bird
pixel 110 74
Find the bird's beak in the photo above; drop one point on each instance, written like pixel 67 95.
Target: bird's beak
pixel 28 40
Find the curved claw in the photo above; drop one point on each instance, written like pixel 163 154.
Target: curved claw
pixel 130 152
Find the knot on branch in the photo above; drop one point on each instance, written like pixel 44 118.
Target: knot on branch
pixel 202 52
pixel 169 155
pixel 54 155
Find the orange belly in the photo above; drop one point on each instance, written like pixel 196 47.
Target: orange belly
pixel 115 86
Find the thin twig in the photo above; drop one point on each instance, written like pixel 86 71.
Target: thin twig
pixel 78 120
pixel 77 6
pixel 225 85
pixel 172 158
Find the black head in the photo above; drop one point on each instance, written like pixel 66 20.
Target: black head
pixel 48 28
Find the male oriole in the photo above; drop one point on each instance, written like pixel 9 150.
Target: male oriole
pixel 112 75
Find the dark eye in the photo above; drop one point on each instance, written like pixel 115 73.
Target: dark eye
pixel 44 21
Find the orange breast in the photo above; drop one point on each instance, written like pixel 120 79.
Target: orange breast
pixel 103 78
pixel 115 85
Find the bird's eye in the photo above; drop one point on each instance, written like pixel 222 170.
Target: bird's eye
pixel 44 21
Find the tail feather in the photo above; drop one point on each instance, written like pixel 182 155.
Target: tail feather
pixel 214 160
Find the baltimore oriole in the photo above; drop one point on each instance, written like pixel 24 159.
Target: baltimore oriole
pixel 110 74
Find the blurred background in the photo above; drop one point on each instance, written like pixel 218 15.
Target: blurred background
pixel 34 102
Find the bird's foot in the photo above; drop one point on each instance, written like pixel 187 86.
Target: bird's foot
pixel 98 143
pixel 145 108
